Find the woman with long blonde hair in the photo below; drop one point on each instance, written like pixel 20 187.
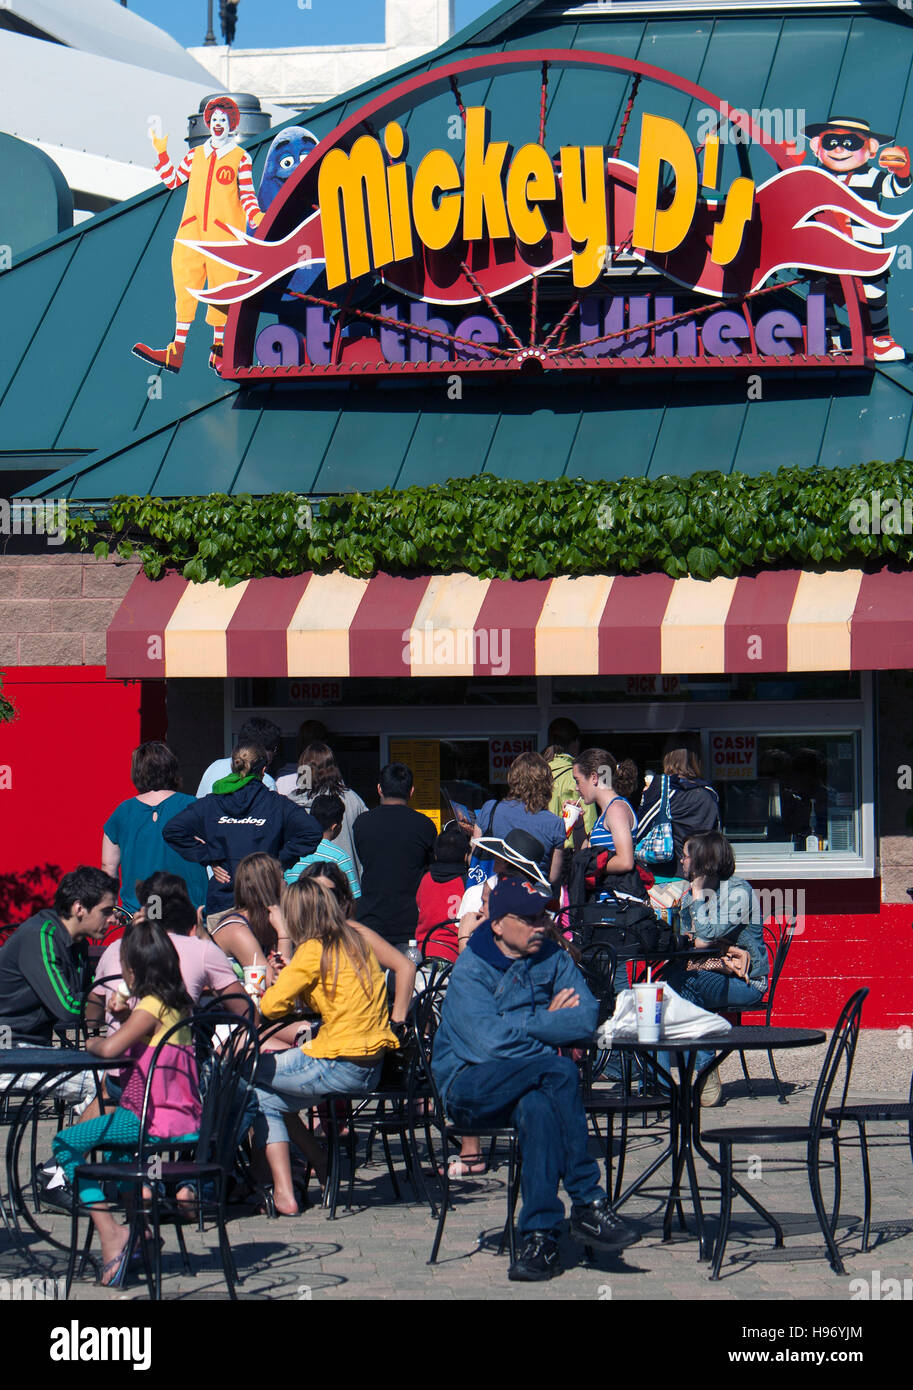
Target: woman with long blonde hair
pixel 337 972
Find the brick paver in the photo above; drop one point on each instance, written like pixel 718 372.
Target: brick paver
pixel 379 1249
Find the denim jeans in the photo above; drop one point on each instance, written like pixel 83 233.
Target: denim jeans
pixel 289 1081
pixel 710 989
pixel 541 1096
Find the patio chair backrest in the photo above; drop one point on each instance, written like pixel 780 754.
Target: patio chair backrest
pixel 597 964
pixel 840 1052
pixel 781 943
pixel 425 1017
pixel 226 1075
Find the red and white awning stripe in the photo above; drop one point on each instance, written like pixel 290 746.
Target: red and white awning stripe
pixel 333 625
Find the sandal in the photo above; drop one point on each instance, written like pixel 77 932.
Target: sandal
pixel 466 1167
pixel 117 1268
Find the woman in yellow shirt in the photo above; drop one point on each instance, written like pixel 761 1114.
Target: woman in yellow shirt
pixel 337 972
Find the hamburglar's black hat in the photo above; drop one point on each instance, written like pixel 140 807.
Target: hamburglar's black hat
pixel 851 123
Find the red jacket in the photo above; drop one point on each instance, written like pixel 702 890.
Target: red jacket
pixel 438 902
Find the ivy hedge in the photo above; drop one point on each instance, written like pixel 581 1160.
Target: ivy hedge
pixel 7 708
pixel 705 525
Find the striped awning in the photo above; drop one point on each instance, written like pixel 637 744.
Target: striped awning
pixel 333 625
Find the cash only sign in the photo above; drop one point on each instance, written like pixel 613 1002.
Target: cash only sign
pixel 440 227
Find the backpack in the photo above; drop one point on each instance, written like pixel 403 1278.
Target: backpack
pixel 624 922
pixel 654 843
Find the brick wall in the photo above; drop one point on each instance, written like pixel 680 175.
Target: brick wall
pixel 55 610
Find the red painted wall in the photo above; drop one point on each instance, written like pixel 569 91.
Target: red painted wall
pixel 836 955
pixel 68 754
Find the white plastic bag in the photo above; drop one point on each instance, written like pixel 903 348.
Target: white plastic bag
pixel 681 1019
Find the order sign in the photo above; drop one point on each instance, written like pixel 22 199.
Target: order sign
pixel 733 757
pixel 501 753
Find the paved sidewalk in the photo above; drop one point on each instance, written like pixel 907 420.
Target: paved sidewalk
pixel 380 1248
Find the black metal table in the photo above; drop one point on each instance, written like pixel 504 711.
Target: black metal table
pixel 685 1126
pixel 53 1065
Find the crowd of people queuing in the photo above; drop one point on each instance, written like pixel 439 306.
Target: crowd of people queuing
pixel 292 891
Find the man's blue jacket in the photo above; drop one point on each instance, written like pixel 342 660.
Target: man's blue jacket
pixel 496 1008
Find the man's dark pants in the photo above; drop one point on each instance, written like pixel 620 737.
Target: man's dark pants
pixel 541 1096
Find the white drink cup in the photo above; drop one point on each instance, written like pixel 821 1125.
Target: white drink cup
pixel 648 1000
pixel 255 980
pixel 571 814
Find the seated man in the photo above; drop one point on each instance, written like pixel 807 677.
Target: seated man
pixel 41 975
pixel 514 997
pixel 42 963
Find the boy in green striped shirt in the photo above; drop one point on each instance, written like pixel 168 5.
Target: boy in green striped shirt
pixel 328 810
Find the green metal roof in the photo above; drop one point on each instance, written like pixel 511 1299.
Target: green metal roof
pixel 70 390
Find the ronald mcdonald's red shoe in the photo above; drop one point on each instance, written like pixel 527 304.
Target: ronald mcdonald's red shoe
pixel 215 358
pixel 169 357
pixel 886 350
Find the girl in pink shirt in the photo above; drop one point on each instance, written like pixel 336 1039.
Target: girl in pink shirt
pixel 151 970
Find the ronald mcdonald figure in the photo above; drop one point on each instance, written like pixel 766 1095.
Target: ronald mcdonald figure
pixel 220 197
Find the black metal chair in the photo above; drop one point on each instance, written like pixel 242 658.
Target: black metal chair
pixel 778 944
pixel 598 965
pixel 840 1052
pixel 424 1025
pixel 898 1111
pixel 226 1077
pixel 385 1111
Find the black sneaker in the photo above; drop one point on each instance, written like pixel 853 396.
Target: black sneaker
pixel 597 1224
pixel 60 1197
pixel 537 1259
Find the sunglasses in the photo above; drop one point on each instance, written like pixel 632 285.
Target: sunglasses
pixel 846 141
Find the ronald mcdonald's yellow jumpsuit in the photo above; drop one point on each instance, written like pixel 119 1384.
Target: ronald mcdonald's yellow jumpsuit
pixel 220 197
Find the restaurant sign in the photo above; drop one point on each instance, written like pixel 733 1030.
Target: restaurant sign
pixel 493 247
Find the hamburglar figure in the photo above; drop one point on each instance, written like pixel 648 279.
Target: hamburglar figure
pixel 220 199
pixel 846 146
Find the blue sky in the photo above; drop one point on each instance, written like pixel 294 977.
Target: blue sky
pixel 282 24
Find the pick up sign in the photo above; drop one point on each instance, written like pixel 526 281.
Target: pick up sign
pixel 733 757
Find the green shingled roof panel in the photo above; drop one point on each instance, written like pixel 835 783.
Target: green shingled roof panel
pixel 879 46
pixel 205 452
pixel 616 440
pixel 26 292
pixel 533 445
pixel 806 66
pixel 65 344
pixel 869 426
pixel 284 457
pixel 448 445
pixel 368 445
pixel 702 434
pixel 130 473
pixel 787 431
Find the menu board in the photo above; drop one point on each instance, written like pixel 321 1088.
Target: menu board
pixel 423 756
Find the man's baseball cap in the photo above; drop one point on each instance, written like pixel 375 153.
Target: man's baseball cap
pixel 513 896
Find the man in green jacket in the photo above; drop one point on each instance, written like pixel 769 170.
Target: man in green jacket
pixel 563 747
